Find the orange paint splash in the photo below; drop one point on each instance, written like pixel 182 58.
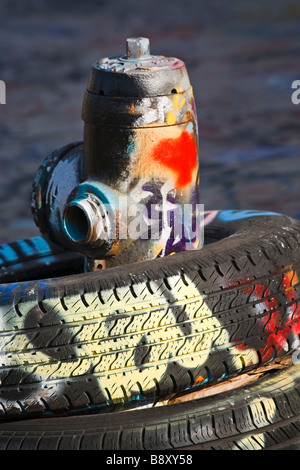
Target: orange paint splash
pixel 178 155
pixel 199 380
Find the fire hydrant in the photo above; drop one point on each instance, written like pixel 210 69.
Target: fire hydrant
pixel 129 191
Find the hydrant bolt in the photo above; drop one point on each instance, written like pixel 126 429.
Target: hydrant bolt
pixel 137 48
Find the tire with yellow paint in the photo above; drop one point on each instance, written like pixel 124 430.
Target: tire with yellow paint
pixel 138 333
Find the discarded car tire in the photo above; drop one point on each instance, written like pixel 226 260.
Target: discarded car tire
pixel 144 331
pixel 264 414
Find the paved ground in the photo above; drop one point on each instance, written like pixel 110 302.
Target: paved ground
pixel 242 60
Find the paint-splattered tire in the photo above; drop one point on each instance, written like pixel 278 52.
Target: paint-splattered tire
pixel 148 330
pixel 262 414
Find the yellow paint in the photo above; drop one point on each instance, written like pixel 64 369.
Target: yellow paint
pixel 171 118
pixel 158 248
pixel 131 341
pixel 177 104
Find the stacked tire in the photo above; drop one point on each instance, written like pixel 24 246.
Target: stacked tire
pixel 112 360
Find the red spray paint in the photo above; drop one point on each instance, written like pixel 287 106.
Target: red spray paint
pixel 178 155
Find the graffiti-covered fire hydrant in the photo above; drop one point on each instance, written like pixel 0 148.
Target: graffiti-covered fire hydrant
pixel 129 191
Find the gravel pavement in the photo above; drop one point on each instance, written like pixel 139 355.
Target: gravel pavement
pixel 242 58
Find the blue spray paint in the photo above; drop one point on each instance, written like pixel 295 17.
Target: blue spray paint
pixel 231 215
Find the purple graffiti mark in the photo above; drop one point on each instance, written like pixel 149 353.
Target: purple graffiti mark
pixel 209 216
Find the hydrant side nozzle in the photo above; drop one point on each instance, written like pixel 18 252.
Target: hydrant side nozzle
pixel 79 220
pixel 91 217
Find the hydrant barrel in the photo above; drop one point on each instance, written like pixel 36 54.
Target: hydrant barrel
pixel 131 105
pixel 140 147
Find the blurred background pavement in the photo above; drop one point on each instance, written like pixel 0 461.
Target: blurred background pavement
pixel 242 58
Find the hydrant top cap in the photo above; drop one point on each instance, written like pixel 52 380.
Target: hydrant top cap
pixel 138 73
pixel 137 59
